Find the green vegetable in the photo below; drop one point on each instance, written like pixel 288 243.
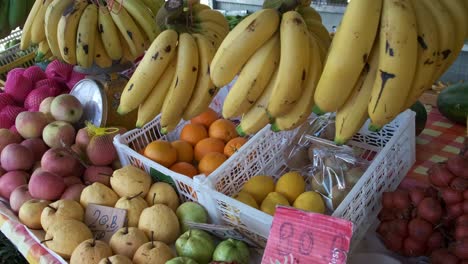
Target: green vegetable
pixel 453 103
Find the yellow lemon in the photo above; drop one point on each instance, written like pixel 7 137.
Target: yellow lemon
pixel 247 199
pixel 291 185
pixel 259 187
pixel 310 201
pixel 271 201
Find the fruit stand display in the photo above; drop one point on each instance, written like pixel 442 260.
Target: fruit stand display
pixel 166 132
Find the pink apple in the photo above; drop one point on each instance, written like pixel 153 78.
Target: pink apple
pixel 19 196
pixel 7 137
pixel 46 185
pixel 82 138
pixel 16 157
pixel 2 171
pixel 37 147
pixel 73 192
pixel 100 174
pixel 58 132
pixel 44 107
pixel 70 180
pixel 66 107
pixel 30 124
pixel 10 180
pixel 58 161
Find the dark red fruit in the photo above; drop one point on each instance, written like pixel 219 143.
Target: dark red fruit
pixel 430 210
pixel 420 229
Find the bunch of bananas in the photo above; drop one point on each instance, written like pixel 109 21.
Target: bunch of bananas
pixel 13 14
pixel 173 78
pixel 87 33
pixel 278 60
pixel 379 66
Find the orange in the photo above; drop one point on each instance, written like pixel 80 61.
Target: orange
pixel 206 118
pixel 223 129
pixel 233 145
pixel 184 150
pixel 192 133
pixel 162 152
pixel 206 146
pixel 184 168
pixel 210 162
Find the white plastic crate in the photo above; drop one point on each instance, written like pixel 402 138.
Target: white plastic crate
pixel 391 152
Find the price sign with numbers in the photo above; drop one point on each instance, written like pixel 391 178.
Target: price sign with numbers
pixel 104 221
pixel 303 237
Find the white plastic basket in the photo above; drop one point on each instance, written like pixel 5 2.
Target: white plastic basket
pixel 392 152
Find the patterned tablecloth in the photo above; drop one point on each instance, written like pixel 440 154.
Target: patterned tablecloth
pixel 440 140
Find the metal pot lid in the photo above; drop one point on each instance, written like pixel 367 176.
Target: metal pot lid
pixel 93 98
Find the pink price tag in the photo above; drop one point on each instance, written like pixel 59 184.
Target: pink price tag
pixel 303 237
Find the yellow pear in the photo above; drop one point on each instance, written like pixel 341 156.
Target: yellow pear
pixel 130 181
pixel 291 185
pixel 30 213
pixel 153 252
pixel 134 206
pixel 116 259
pixel 90 251
pixel 161 222
pixel 247 199
pixel 61 209
pixel 162 193
pixel 127 240
pixel 310 201
pixel 271 201
pixel 259 187
pixel 64 235
pixel 98 193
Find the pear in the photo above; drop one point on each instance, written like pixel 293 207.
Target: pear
pixel 116 259
pixel 98 193
pixel 134 206
pixel 153 252
pixel 61 209
pixel 30 213
pixel 90 251
pixel 65 235
pixel 130 181
pixel 160 221
pixel 163 193
pixel 127 240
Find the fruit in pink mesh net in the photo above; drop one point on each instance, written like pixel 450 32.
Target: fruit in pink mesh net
pixel 34 73
pixel 5 121
pixel 16 157
pixel 66 108
pixel 59 70
pixel 10 112
pixel 31 124
pixel 18 86
pixel 35 98
pixel 5 99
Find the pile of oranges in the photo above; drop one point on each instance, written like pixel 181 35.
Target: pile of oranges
pixel 204 144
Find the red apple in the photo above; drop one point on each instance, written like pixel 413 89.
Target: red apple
pixel 70 180
pixel 16 157
pixel 58 161
pixel 82 138
pixel 19 196
pixel 46 185
pixel 57 133
pixel 30 124
pixel 100 174
pixel 7 137
pixel 73 192
pixel 66 107
pixel 37 147
pixel 10 180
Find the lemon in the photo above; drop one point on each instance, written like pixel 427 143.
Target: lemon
pixel 291 185
pixel 247 199
pixel 271 201
pixel 310 201
pixel 259 187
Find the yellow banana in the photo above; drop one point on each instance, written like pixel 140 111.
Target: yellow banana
pixel 303 107
pixel 353 114
pixel 126 55
pixel 428 46
pixel 143 16
pixel 66 30
pixel 460 16
pixel 153 103
pixel 211 26
pixel 52 17
pixel 204 90
pixel 322 48
pixel 199 7
pixel 26 35
pixel 129 30
pixel 319 30
pixel 212 16
pixel 446 30
pixel 154 5
pixel 182 86
pixel 241 43
pixel 148 72
pixel 253 78
pixel 348 53
pixel 86 36
pixel 293 64
pixel 101 58
pixel 257 117
pixel 37 28
pixel 215 41
pixel 309 12
pixel 397 62
pixel 109 34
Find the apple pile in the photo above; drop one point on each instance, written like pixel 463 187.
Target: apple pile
pixel 25 89
pixel 431 222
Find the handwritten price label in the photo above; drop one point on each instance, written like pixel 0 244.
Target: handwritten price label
pixel 104 221
pixel 302 237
